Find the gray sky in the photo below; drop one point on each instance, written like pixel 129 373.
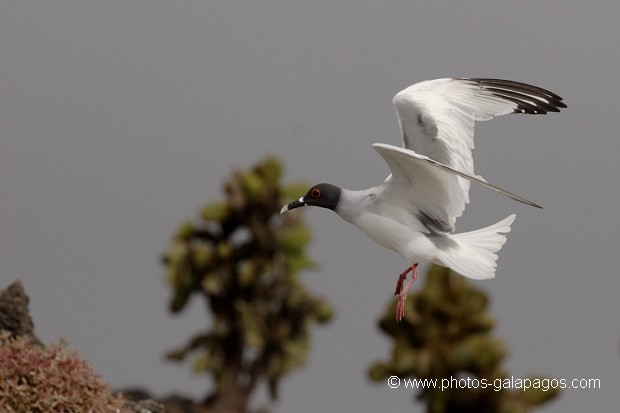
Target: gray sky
pixel 119 119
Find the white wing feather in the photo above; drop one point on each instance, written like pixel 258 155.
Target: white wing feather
pixel 431 186
pixel 437 116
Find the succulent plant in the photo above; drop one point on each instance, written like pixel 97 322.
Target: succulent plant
pixel 446 334
pixel 37 379
pixel 245 259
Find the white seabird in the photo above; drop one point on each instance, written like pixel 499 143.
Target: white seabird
pixel 414 210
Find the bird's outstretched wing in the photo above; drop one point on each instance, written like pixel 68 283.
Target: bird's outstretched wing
pixel 437 116
pixel 431 186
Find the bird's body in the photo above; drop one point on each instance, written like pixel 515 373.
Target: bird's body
pixel 393 228
pixel 414 210
pixel 410 234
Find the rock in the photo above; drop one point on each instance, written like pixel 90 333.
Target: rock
pixel 14 313
pixel 145 406
pixel 140 398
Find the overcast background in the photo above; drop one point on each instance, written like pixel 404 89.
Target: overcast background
pixel 119 119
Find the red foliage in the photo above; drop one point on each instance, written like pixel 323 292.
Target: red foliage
pixel 50 379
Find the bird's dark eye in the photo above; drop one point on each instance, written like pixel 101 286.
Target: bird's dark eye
pixel 315 193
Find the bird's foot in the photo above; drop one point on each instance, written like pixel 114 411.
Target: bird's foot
pixel 402 292
pixel 401 280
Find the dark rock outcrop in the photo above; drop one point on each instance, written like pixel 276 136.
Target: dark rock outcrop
pixel 14 314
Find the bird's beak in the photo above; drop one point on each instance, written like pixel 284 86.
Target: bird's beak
pixel 295 204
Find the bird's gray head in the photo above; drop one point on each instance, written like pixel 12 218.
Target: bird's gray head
pixel 321 195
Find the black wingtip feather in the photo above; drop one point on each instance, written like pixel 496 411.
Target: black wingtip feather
pixel 528 98
pixel 541 107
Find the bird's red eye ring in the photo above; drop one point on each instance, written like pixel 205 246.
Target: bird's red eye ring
pixel 315 193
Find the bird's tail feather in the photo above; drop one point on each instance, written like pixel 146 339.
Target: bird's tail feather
pixel 475 256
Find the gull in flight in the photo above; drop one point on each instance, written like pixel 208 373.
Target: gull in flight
pixel 414 210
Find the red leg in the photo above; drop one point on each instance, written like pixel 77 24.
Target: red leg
pixel 402 292
pixel 401 279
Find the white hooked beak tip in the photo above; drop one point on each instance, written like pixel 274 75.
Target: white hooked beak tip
pixel 295 204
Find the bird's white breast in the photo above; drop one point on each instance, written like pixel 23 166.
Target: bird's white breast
pixel 396 229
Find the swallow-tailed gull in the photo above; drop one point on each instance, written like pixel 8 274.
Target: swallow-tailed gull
pixel 414 210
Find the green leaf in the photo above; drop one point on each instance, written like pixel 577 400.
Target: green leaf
pixel 180 299
pixel 185 231
pixel 473 301
pixel 223 249
pixel 177 254
pixel 378 371
pixel 172 277
pixel 324 311
pixel 540 390
pixel 247 273
pixel 270 170
pixel 297 262
pixel 252 183
pixel 478 353
pixel 295 351
pixel 202 363
pixel 294 237
pixel 404 358
pixel 480 323
pixel 216 211
pixel 201 255
pixel 212 285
